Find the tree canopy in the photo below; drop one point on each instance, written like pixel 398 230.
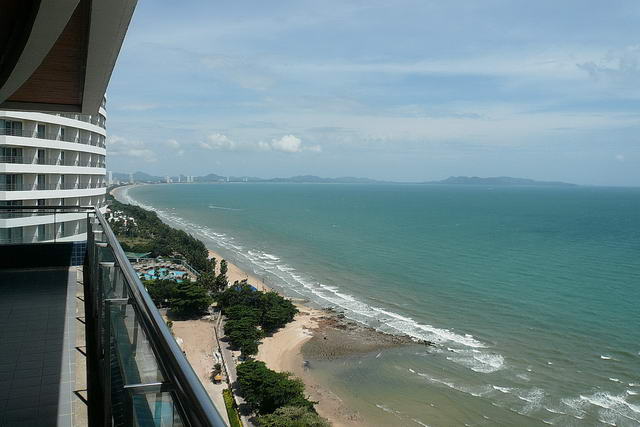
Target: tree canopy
pixel 189 299
pixel 150 234
pixel 292 416
pixel 266 390
pixel 247 309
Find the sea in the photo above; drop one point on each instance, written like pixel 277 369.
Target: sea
pixel 531 295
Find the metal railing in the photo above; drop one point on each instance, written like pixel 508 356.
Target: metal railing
pixel 51 162
pixel 11 132
pixel 46 187
pixel 93 119
pixel 79 140
pixel 136 372
pixel 11 159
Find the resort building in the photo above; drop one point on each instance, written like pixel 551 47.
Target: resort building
pixel 82 342
pixel 49 160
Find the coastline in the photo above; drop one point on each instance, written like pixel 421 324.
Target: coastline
pixel 320 334
pixel 283 351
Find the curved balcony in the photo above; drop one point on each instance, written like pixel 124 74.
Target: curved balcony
pixel 48 191
pixel 79 140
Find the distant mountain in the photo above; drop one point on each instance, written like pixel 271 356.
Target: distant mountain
pixel 498 180
pixel 212 177
pixel 312 179
pixel 137 177
pixel 319 180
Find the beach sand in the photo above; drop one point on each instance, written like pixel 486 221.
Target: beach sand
pixel 235 273
pixel 316 334
pixel 283 351
pixel 196 338
pixel 313 334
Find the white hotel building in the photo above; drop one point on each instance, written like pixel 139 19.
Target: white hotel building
pixel 49 159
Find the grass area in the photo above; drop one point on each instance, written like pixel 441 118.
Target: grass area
pixel 134 241
pixel 232 412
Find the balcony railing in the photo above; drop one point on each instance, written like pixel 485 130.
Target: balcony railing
pixel 80 140
pixel 136 372
pixel 93 119
pixel 51 162
pixel 12 159
pixel 45 187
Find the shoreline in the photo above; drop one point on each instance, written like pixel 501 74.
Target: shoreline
pixel 320 334
pixel 283 351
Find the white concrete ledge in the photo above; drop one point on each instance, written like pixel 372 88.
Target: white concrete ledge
pixel 26 141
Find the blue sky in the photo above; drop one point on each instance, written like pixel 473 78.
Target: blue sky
pixel 401 90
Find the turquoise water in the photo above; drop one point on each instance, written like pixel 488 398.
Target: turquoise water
pixel 532 294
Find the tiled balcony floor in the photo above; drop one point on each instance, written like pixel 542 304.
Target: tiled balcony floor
pixel 37 340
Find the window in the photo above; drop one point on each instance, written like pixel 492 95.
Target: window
pixel 41 202
pixel 62 158
pixel 11 182
pixel 41 156
pixel 62 134
pixel 11 235
pixel 42 179
pixel 9 127
pixel 10 155
pixel 41 131
pixel 42 231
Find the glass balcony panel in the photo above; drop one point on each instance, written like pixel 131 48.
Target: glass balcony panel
pixel 156 409
pixel 136 359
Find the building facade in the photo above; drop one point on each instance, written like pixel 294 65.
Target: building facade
pixel 49 159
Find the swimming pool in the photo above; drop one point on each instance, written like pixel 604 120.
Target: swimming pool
pixel 162 273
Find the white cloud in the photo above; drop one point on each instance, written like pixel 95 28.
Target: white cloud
pixel 175 146
pixel 172 143
pixel 314 148
pixel 218 141
pixel 122 147
pixel 287 144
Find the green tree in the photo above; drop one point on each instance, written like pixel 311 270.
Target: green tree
pixel 223 267
pixel 276 311
pixel 207 280
pixel 221 283
pixel 161 291
pixel 292 416
pixel 243 335
pixel 265 390
pixel 189 300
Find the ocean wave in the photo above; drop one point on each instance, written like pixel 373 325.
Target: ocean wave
pixel 331 296
pixel 609 408
pixel 477 391
pixel 502 389
pixel 223 208
pixel 479 362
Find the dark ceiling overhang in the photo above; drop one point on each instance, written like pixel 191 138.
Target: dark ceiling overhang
pixel 58 55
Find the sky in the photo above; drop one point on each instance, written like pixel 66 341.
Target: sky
pixel 397 90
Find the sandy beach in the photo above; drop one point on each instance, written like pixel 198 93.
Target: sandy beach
pixel 196 338
pixel 313 334
pixel 283 350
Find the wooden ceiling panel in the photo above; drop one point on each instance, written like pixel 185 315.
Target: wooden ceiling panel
pixel 60 77
pixel 16 20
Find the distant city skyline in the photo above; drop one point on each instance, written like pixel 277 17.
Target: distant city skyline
pixel 413 91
